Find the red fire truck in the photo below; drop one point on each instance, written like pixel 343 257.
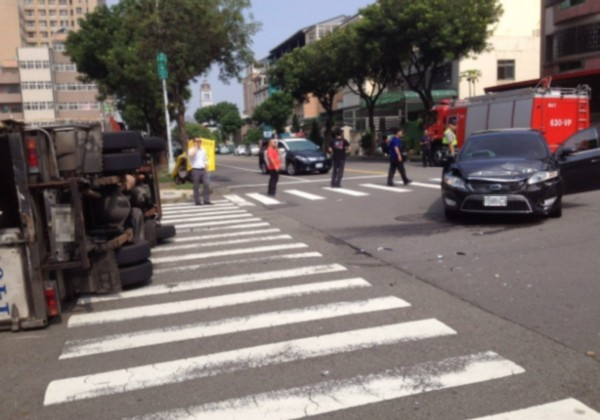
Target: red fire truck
pixel 556 112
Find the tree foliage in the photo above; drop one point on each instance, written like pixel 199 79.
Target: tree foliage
pixel 275 111
pixel 253 136
pixel 312 70
pixel 121 44
pixel 423 35
pixel 225 114
pixel 315 133
pixel 295 124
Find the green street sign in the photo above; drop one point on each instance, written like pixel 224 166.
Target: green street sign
pixel 161 63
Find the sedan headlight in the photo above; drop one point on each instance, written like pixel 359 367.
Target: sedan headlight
pixel 455 182
pixel 542 177
pixel 302 158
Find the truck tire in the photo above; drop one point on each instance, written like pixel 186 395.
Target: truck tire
pixel 121 162
pixel 133 253
pixel 135 275
pixel 164 232
pixel 150 231
pixel 120 140
pixel 154 144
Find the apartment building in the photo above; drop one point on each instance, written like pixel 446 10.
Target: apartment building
pixel 38 82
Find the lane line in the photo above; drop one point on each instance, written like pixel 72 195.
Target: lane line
pixel 330 396
pixel 178 371
pixel 192 305
pixel 303 194
pixel 567 409
pixel 385 188
pixel 189 285
pixel 194 267
pixel 236 199
pixel 168 248
pixel 347 191
pixel 128 341
pixel 240 219
pixel 263 199
pixel 224 235
pixel 226 253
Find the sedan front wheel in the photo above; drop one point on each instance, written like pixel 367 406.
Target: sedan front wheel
pixel 291 169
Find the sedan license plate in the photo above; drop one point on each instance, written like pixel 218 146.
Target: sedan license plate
pixel 495 201
pixel 318 165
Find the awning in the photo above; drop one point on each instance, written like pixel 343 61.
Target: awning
pixel 410 99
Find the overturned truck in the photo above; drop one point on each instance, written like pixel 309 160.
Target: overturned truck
pixel 79 212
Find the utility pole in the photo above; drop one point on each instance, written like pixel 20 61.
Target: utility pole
pixel 163 74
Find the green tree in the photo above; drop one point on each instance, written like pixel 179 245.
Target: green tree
pixel 423 35
pixel 194 34
pixel 275 111
pixel 193 130
pixel 254 135
pixel 295 124
pixel 225 114
pixel 315 133
pixel 311 71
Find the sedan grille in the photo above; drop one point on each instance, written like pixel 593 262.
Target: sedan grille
pixel 486 187
pixel 515 204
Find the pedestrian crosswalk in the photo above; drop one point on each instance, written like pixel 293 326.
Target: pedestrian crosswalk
pixel 230 274
pixel 323 193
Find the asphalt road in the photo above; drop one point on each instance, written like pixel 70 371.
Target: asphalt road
pixel 359 303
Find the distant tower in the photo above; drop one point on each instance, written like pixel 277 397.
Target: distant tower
pixel 205 94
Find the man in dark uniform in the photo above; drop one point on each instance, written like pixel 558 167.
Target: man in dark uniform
pixel 338 147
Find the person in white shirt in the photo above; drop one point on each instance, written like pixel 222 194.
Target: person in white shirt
pixel 199 161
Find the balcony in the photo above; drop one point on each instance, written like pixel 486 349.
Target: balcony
pixel 10 98
pixel 9 77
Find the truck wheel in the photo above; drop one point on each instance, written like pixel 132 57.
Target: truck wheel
pixel 121 162
pixel 150 231
pixel 164 232
pixel 154 144
pixel 134 253
pixel 136 274
pixel 120 140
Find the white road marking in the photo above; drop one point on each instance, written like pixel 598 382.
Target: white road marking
pixel 226 253
pixel 170 308
pixel 191 204
pixel 177 371
pixel 267 201
pixel 117 342
pixel 423 184
pixel 194 267
pixel 220 208
pixel 244 219
pixel 236 199
pixel 303 194
pixel 224 235
pixel 194 215
pixel 212 228
pixel 326 397
pixel 194 219
pixel 185 286
pixel 167 248
pixel 567 409
pixel 438 180
pixel 296 180
pixel 385 188
pixel 347 191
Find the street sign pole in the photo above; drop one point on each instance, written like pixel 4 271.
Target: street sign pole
pixel 163 74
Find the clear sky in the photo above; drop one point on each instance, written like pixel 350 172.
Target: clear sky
pixel 280 19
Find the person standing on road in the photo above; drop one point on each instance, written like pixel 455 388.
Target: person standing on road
pixel 273 165
pixel 395 149
pixel 449 139
pixel 426 149
pixel 338 147
pixel 199 161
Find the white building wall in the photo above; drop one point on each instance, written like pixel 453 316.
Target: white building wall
pixel 516 37
pixel 38 101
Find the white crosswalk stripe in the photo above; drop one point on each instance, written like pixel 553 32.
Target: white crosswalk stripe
pixel 347 191
pixel 139 339
pixel 385 188
pixel 327 397
pixel 263 199
pixel 131 379
pixel 286 276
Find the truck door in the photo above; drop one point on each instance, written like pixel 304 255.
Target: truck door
pixel 579 160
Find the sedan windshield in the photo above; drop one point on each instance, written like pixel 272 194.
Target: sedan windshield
pixel 300 145
pixel 492 145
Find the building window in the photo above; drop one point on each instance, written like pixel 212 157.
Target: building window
pixel 52 12
pixel 42 13
pixel 565 4
pixel 570 65
pixel 506 69
pixel 581 39
pixel 50 2
pixel 41 1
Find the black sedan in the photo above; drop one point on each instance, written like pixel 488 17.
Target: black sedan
pixel 297 155
pixel 514 172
